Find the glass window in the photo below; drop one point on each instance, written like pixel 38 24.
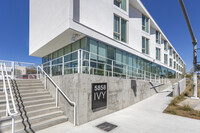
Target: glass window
pixel 116 28
pixel 170 62
pixel 123 30
pixel 93 49
pixel 174 64
pixel 120 34
pixel 102 52
pixel 54 55
pixel 145 45
pixel 165 59
pixel 68 49
pixel 75 46
pixel 158 53
pixel 165 46
pixel 158 37
pixel 118 56
pixel 145 23
pixel 121 4
pixel 170 51
pixel 83 44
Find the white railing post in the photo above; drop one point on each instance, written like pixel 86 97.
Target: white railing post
pixel 51 68
pixel 13 70
pixel 56 97
pixel 159 79
pixel 150 77
pixel 89 63
pixel 13 124
pixel 126 71
pixel 155 77
pixel 112 68
pixel 162 80
pixel 63 65
pixel 78 61
pixel 144 75
pixel 37 74
pixel 45 82
pixel 81 61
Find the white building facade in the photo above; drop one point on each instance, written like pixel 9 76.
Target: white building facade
pixel 110 37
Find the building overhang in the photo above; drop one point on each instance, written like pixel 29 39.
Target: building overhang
pixel 58 42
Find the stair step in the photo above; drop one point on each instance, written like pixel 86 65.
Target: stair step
pixel 26 87
pixel 28 95
pixel 33 107
pixel 32 120
pixel 24 91
pixel 30 113
pixel 34 102
pixel 27 98
pixel 45 124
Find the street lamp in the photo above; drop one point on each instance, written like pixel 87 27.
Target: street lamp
pixel 194 42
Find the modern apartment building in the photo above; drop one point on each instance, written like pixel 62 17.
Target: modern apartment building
pixel 115 38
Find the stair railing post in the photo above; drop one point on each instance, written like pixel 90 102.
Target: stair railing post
pixel 126 71
pixel 13 124
pixel 13 69
pixel 89 63
pixel 51 68
pixel 37 73
pixel 78 61
pixel 81 61
pixel 159 79
pixel 45 82
pixel 112 68
pixel 56 97
pixel 63 65
pixel 150 77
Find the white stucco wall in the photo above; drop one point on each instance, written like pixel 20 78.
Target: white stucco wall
pixel 52 18
pixel 48 19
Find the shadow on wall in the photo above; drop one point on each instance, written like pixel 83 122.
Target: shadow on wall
pixel 134 87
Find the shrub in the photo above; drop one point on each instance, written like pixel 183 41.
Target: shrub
pixel 186 93
pixel 171 111
pixel 186 108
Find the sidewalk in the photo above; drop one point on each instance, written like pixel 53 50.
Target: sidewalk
pixel 143 117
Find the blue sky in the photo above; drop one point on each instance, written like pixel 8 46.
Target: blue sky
pixel 14 27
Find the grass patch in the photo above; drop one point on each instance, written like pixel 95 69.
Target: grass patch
pixel 186 110
pixel 171 112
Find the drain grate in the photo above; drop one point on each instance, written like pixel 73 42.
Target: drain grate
pixel 106 126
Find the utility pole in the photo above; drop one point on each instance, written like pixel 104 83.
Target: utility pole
pixel 194 42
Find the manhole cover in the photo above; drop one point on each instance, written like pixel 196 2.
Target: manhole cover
pixel 106 126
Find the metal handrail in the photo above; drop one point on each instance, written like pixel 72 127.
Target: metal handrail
pixel 8 112
pixel 122 66
pixel 58 89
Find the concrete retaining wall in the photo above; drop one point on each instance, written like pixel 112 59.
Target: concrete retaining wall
pixel 120 94
pixel 179 87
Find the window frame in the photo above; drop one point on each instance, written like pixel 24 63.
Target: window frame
pixel 120 29
pixel 166 59
pixel 158 54
pixel 158 38
pixel 120 4
pixel 165 45
pixel 145 26
pixel 145 45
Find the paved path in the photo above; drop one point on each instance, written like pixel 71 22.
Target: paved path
pixel 143 117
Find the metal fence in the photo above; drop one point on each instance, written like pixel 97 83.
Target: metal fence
pixel 82 61
pixel 21 70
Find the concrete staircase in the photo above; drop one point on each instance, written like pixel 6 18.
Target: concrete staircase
pixel 36 108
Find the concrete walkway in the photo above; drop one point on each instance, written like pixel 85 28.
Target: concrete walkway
pixel 143 117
